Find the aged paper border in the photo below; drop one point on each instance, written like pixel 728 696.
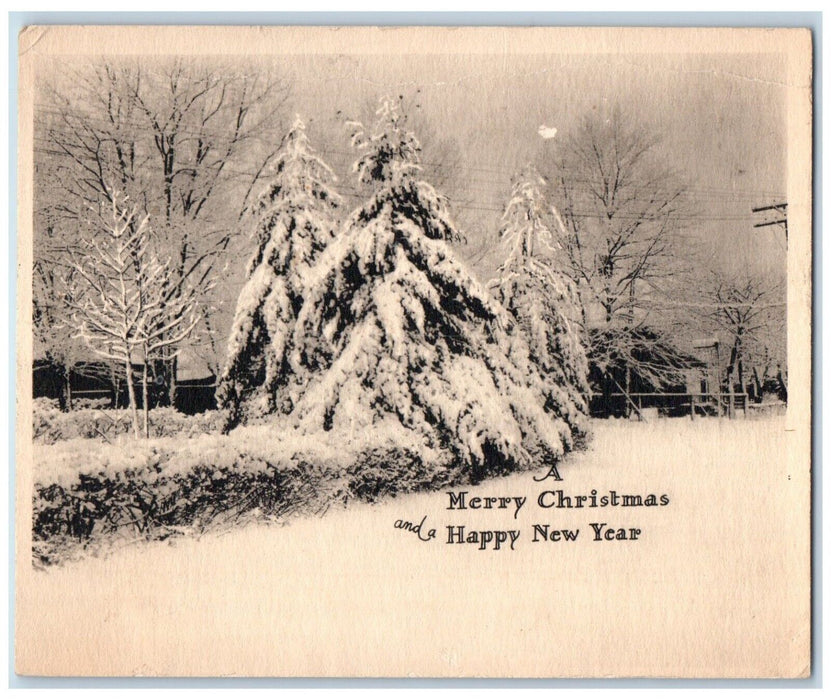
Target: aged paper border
pixel 795 44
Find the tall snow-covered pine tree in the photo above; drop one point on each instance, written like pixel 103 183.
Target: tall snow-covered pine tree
pixel 296 218
pixel 395 327
pixel 543 299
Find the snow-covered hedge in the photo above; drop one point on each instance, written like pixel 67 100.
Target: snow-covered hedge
pixel 52 425
pixel 158 488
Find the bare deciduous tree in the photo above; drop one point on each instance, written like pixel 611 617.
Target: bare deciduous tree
pixel 622 211
pixel 49 311
pixel 747 310
pixel 186 142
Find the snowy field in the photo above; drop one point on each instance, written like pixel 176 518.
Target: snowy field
pixel 347 594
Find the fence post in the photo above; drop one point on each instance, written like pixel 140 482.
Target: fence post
pixel 692 406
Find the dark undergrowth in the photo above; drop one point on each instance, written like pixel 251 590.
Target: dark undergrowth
pixel 151 502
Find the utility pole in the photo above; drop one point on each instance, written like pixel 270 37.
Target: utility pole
pixel 780 216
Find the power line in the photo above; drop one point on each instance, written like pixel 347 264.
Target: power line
pixel 479 205
pixel 584 185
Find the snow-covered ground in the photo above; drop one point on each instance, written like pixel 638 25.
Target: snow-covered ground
pixel 698 593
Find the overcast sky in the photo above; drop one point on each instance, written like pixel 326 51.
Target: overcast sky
pixel 722 119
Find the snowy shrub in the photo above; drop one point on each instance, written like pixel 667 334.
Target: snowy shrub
pixel 100 403
pixel 51 425
pixel 45 415
pixel 44 404
pixel 164 487
pixel 383 471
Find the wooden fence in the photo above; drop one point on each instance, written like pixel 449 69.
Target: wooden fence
pixel 671 403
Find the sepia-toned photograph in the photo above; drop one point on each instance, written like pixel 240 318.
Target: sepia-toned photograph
pixel 414 352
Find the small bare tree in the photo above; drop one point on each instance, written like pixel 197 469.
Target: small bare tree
pixel 748 309
pixel 59 349
pixel 120 305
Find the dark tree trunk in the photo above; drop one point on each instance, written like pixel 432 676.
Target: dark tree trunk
pixel 757 385
pixel 131 392
pixel 145 396
pixel 64 388
pixel 173 364
pixel 783 386
pixel 116 382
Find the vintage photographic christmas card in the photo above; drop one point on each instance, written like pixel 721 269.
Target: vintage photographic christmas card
pixel 414 352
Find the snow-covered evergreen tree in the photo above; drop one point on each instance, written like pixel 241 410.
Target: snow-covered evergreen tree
pixel 394 326
pixel 296 219
pixel 541 297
